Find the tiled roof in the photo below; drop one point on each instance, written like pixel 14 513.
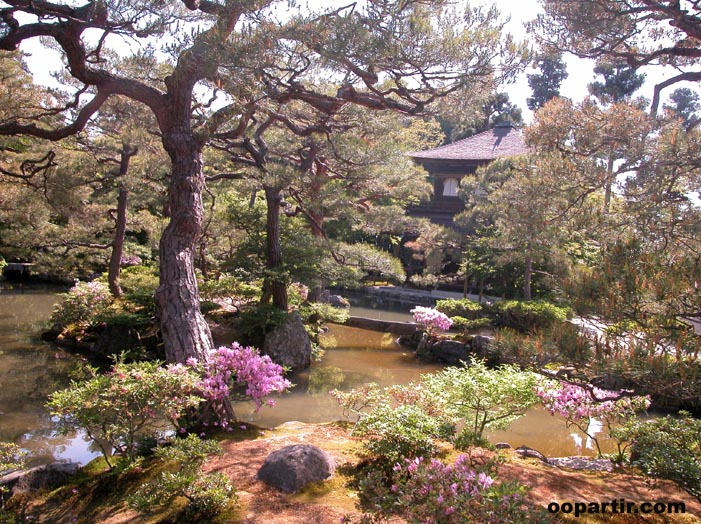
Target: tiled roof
pixel 503 140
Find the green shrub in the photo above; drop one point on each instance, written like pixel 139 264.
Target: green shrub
pixel 139 284
pixel 256 322
pixel 227 286
pixel 529 316
pixel 463 307
pixel 395 433
pixel 481 397
pixel 569 342
pixel 131 400
pixel 207 494
pixel 669 448
pixel 11 457
pixel 317 313
pixel 466 324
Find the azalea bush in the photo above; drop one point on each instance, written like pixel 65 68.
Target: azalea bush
pixel 431 319
pixel 240 372
pixel 424 491
pixel 113 409
pixel 83 303
pixel 581 405
pixel 144 398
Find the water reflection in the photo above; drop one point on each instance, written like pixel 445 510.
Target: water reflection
pixel 29 371
pixel 355 357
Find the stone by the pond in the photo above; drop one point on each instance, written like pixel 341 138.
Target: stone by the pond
pixel 525 451
pixel 339 301
pixel 582 463
pixel 289 345
pixel 453 352
pixel 502 445
pixel 291 468
pixel 49 476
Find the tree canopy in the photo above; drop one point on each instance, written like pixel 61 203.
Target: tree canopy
pixel 638 33
pixel 400 56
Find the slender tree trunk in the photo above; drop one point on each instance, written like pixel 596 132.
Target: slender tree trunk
pixel 527 274
pixel 275 284
pixel 184 329
pixel 609 182
pixel 115 267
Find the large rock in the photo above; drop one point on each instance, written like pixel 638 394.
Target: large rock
pixel 454 352
pixel 527 452
pixel 289 344
pixel 339 302
pixel 443 351
pixel 45 477
pixel 291 468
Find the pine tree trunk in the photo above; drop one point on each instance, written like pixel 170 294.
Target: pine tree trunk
pixel 118 244
pixel 275 284
pixel 184 329
pixel 527 275
pixel 609 182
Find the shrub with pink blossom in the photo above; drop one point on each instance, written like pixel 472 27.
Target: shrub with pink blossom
pixel 424 491
pixel 431 319
pixel 581 405
pixel 139 399
pixel 84 301
pixel 230 370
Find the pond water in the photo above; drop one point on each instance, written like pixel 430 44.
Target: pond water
pixel 355 356
pixel 31 369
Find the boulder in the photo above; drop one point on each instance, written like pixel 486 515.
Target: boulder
pixel 293 467
pixel 502 445
pixel 613 381
pixel 289 345
pixel 443 351
pixel 454 352
pixel 324 296
pixel 48 477
pixel 339 301
pixel 527 452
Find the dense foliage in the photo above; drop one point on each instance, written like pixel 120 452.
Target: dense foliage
pixel 668 448
pixel 207 494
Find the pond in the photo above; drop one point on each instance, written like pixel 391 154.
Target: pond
pixel 31 369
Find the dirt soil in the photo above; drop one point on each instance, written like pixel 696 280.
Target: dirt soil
pixel 327 503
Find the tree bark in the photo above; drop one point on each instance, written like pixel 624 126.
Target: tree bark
pixel 275 284
pixel 184 329
pixel 609 182
pixel 115 267
pixel 527 275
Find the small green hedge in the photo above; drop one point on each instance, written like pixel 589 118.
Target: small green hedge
pixel 528 316
pixel 467 324
pixel 464 307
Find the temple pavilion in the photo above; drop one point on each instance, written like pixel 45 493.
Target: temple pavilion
pixel 448 164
